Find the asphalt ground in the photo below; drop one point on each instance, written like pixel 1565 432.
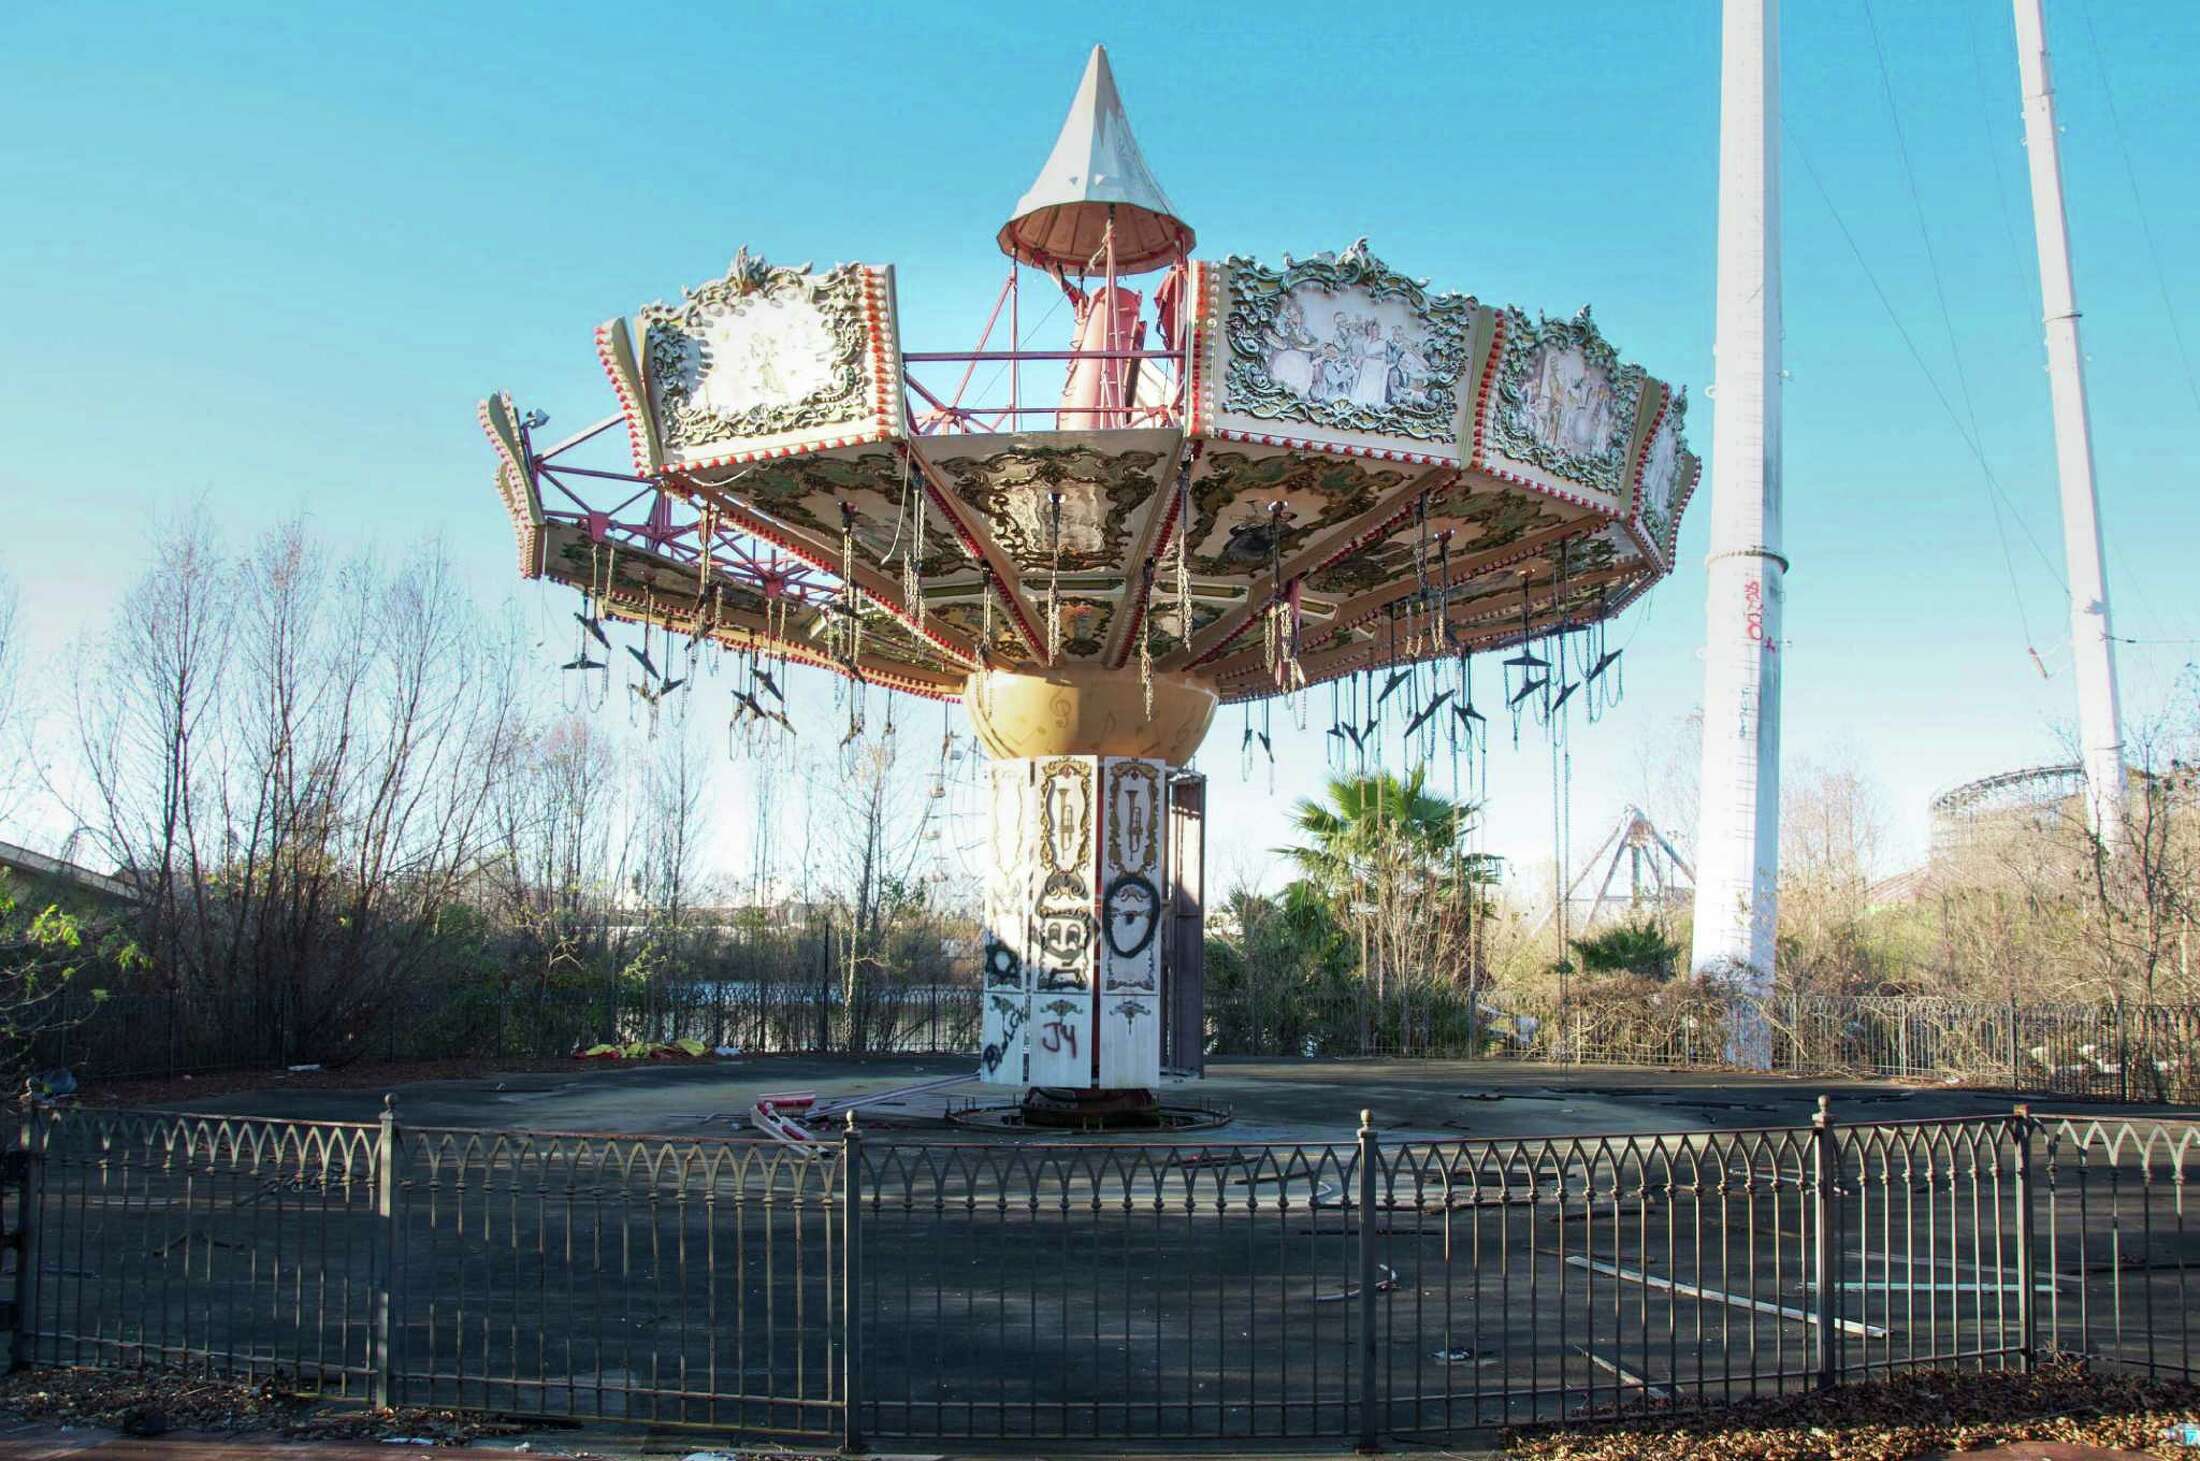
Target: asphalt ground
pixel 1269 1100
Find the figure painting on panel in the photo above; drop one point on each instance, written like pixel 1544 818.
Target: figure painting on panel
pixel 1371 384
pixel 1291 349
pixel 1334 375
pixel 1662 471
pixel 765 351
pixel 1408 367
pixel 1348 358
pixel 1570 400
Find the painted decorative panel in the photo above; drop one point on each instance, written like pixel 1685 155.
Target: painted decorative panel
pixel 1074 919
pixel 1668 472
pixel 1133 818
pixel 1086 498
pixel 1011 878
pixel 1250 509
pixel 1344 342
pixel 1565 402
pixel 1064 933
pixel 771 359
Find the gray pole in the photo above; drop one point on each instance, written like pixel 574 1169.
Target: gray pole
pixel 1370 1438
pixel 851 1287
pixel 2092 647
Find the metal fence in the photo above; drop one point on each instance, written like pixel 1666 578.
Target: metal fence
pixel 159 1034
pixel 1033 1290
pixel 2108 1051
pixel 2113 1051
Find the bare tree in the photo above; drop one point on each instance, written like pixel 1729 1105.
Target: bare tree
pixel 144 731
pixel 15 740
pixel 1668 766
pixel 295 759
pixel 1831 833
pixel 878 838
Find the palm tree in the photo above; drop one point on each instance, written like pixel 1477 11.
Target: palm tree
pixel 1370 824
pixel 1391 854
pixel 1629 948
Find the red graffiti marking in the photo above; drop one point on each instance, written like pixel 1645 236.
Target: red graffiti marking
pixel 1753 616
pixel 1054 1036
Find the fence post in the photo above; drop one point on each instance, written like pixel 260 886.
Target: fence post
pixel 26 1177
pixel 389 1207
pixel 1370 1426
pixel 1825 1256
pixel 2016 1067
pixel 2123 1051
pixel 851 1286
pixel 2020 1135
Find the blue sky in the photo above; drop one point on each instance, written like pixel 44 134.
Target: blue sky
pixel 265 257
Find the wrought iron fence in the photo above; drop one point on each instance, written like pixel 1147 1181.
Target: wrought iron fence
pixel 2108 1051
pixel 2112 1051
pixel 2117 1265
pixel 1249 1291
pixel 125 1035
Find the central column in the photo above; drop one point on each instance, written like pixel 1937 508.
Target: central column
pixel 1077 892
pixel 1738 818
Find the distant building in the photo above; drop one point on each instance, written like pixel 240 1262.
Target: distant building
pixel 1998 810
pixel 2009 803
pixel 24 861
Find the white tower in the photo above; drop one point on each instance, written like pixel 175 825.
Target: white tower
pixel 2092 651
pixel 1738 834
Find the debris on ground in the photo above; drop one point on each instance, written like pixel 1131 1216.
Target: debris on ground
pixel 147 1402
pixel 1930 1413
pixel 378 1075
pixel 366 1075
pixel 407 1426
pixel 153 1402
pixel 650 1050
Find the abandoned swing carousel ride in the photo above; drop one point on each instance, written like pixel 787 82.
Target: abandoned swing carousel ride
pixel 1256 483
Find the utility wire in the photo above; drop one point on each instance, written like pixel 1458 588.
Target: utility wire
pixel 2138 204
pixel 1984 96
pixel 2161 284
pixel 1894 318
pixel 1940 294
pixel 1917 212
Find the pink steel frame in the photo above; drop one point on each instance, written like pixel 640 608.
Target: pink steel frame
pixel 649 518
pixel 946 414
pixel 655 521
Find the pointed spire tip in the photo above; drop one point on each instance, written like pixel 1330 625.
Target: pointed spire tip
pixel 1094 178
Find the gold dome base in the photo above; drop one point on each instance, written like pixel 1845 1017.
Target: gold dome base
pixel 1087 712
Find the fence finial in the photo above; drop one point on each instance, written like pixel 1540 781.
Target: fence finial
pixel 1825 1111
pixel 1367 1120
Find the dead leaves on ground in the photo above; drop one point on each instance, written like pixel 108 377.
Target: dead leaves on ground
pixel 1926 1414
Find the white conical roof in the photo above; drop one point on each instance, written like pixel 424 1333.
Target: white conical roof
pixel 1096 166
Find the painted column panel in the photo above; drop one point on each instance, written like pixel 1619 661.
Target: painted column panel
pixel 1011 880
pixel 1064 933
pixel 1074 920
pixel 1132 874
